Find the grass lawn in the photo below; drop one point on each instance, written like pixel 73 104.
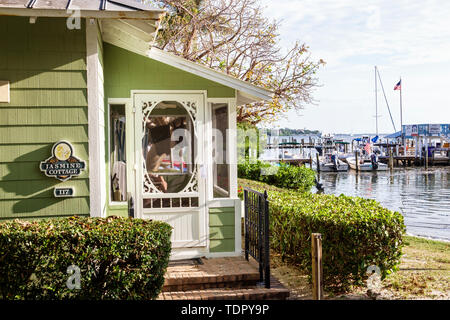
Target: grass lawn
pixel 424 274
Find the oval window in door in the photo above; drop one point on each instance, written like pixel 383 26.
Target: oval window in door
pixel 168 148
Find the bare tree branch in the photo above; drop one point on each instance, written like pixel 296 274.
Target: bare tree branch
pixel 233 36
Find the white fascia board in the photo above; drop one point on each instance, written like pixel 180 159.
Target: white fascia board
pixel 114 40
pixel 115 36
pixel 145 26
pixel 117 28
pixel 254 92
pixel 99 14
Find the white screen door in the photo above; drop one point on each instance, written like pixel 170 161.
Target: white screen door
pixel 169 143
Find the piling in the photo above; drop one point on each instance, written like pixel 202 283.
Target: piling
pixel 356 161
pixel 318 162
pixel 310 159
pixel 391 159
pixel 317 270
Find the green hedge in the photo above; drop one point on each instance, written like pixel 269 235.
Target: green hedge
pixel 119 258
pixel 283 176
pixel 356 233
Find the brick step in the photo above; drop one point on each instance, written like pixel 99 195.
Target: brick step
pixel 255 293
pixel 210 274
pixel 276 292
pixel 210 282
pixel 218 279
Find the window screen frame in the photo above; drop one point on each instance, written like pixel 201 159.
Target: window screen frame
pixel 125 102
pixel 231 157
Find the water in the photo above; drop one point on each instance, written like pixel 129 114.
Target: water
pixel 421 196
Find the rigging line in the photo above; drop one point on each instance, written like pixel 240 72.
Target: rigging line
pixel 382 87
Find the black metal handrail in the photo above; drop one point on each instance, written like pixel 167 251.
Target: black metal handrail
pixel 256 224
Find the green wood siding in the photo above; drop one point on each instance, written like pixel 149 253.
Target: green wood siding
pixel 46 65
pixel 221 229
pixel 126 71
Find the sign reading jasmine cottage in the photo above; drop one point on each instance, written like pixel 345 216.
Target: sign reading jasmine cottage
pixel 62 165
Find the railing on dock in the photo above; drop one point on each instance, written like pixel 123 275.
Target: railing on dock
pixel 257 231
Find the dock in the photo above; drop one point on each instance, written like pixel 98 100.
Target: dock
pixel 295 161
pixel 290 145
pixel 409 160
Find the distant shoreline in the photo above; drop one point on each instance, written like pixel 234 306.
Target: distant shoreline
pixel 427 238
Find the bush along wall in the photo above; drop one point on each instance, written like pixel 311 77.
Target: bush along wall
pixel 282 175
pixel 357 233
pixel 118 258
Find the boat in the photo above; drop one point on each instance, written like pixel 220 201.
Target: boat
pixel 331 163
pixel 366 164
pixel 288 155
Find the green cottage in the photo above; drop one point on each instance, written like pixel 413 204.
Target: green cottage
pixel 95 121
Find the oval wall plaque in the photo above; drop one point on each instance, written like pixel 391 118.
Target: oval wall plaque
pixel 62 165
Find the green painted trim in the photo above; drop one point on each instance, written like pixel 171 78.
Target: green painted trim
pixel 222 229
pixel 224 232
pixel 222 210
pixel 118 210
pixel 221 219
pixel 226 245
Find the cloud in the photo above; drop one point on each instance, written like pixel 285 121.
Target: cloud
pixel 410 38
pixel 411 31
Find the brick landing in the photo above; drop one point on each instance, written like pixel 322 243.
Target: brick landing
pixel 219 278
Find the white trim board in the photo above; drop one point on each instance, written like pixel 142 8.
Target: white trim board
pixel 97 198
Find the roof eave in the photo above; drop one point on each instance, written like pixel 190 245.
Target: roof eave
pixel 155 14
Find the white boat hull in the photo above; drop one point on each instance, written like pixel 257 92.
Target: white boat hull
pixel 329 167
pixel 366 166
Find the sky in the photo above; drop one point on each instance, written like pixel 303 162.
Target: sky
pixel 403 38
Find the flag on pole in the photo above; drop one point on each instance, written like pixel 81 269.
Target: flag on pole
pixel 398 86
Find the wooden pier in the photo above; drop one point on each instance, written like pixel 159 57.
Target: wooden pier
pixel 290 145
pixel 296 161
pixel 408 161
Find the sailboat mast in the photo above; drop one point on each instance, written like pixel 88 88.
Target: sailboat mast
pixel 385 99
pixel 376 102
pixel 401 118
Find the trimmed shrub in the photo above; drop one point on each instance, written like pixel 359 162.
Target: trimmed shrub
pixel 282 175
pixel 118 258
pixel 356 232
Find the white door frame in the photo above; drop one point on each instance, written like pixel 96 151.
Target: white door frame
pixel 201 160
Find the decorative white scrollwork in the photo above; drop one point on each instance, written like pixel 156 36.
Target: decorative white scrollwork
pixel 192 186
pixel 149 186
pixel 191 107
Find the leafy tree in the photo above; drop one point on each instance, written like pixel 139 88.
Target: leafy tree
pixel 233 36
